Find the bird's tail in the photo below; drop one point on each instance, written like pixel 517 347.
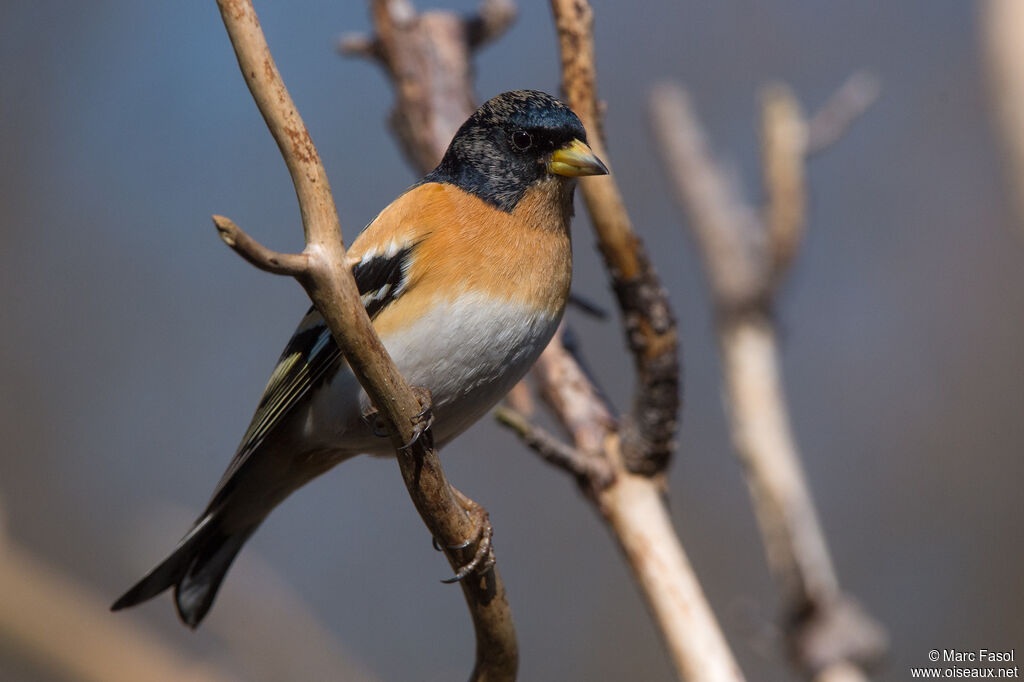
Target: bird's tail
pixel 195 568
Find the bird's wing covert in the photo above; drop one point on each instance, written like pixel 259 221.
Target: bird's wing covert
pixel 312 355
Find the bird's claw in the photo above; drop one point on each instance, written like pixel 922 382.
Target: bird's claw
pixel 422 420
pixel 483 558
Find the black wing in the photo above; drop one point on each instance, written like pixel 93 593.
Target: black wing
pixel 382 276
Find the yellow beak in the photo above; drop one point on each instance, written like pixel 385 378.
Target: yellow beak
pixel 576 159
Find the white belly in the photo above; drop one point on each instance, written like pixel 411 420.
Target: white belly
pixel 468 353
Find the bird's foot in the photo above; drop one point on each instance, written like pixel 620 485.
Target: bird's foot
pixel 483 558
pixel 422 420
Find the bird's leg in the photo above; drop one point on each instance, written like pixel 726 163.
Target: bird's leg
pixel 483 559
pixel 422 420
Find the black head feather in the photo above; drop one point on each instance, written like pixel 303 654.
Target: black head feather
pixel 504 146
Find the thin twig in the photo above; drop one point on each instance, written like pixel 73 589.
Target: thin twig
pixel 744 261
pixel 846 105
pixel 274 262
pixel 333 291
pixel 725 226
pixel 783 143
pixel 587 307
pixel 591 472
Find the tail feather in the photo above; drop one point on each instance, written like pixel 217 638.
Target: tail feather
pixel 195 569
pixel 195 591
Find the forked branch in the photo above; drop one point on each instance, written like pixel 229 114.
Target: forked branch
pixel 745 260
pixel 631 503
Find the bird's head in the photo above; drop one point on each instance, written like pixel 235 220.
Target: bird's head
pixel 513 141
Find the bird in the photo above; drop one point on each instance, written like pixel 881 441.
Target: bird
pixel 465 277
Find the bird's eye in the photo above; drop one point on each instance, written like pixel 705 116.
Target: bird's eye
pixel 522 140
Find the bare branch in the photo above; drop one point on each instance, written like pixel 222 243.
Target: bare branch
pixel 359 45
pixel 520 399
pixel 827 633
pixel 794 541
pixel 491 21
pixel 726 229
pixel 846 105
pixel 572 397
pixel 427 57
pixel 332 289
pixel 648 432
pixel 633 504
pixel 591 473
pixel 783 140
pixel 834 640
pixel 633 507
pixel 291 264
pixel 635 510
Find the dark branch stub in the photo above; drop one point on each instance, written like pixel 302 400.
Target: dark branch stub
pixel 648 431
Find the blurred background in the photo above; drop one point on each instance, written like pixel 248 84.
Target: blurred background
pixel 134 345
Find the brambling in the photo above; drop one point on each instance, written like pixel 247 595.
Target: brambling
pixel 465 277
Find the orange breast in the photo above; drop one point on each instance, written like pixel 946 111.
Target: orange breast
pixel 467 245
